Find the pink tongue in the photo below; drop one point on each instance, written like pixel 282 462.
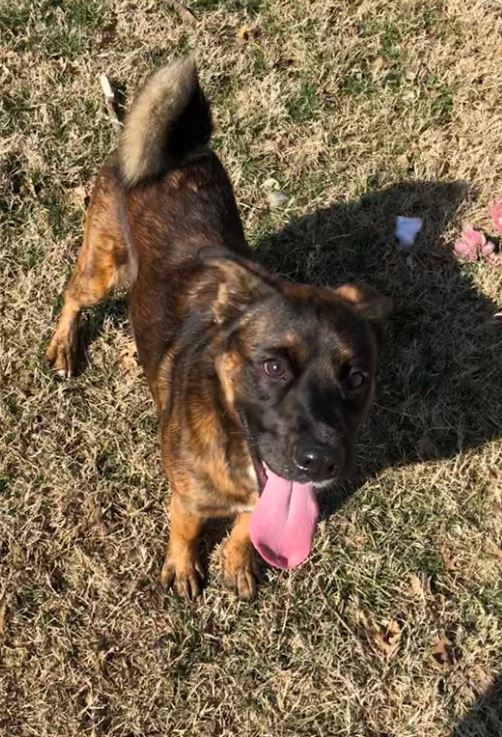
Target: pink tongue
pixel 283 523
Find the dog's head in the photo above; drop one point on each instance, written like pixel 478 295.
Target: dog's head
pixel 297 365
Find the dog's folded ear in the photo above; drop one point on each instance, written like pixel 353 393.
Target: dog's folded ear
pixel 240 282
pixel 367 302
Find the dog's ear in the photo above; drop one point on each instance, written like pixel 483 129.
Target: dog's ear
pixel 240 282
pixel 367 302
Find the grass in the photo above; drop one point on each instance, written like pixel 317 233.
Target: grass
pixel 360 111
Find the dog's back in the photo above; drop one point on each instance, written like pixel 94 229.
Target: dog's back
pixel 173 197
pixel 178 195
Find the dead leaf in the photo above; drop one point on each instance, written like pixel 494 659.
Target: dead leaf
pixel 379 64
pixel 388 640
pixel 403 161
pixel 492 549
pixel 484 681
pixel 416 586
pixel 385 638
pixel 128 358
pixel 270 184
pixel 244 34
pixel 184 12
pixel 108 32
pixel 442 650
pixel 497 491
pixel 27 189
pixel 448 560
pixel 99 525
pixel 440 601
pixel 359 539
pixel 78 196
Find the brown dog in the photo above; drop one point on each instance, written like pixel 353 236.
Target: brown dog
pixel 260 385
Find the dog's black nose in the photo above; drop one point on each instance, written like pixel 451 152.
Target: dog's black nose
pixel 316 461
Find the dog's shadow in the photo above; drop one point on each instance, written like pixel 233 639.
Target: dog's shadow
pixel 440 376
pixel 484 719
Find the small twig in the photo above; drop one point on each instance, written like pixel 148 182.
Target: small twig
pixel 109 99
pixel 184 13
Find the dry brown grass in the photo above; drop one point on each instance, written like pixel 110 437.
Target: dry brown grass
pixel 394 625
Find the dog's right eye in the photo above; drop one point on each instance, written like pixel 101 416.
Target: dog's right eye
pixel 276 368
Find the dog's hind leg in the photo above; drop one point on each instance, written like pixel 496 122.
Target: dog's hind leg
pixel 101 262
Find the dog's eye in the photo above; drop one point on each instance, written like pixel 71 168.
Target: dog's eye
pixel 275 368
pixel 355 379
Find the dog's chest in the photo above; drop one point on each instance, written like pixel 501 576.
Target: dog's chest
pixel 250 504
pixel 238 496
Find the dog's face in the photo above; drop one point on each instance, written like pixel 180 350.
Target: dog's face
pixel 298 366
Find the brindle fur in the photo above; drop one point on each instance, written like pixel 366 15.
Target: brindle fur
pixel 198 321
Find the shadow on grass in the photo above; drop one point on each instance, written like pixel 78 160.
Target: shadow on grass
pixel 484 719
pixel 114 310
pixel 440 387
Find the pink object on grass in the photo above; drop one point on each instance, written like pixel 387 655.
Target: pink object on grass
pixel 470 244
pixel 488 249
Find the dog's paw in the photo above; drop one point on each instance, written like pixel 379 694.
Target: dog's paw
pixel 186 579
pixel 239 574
pixel 61 353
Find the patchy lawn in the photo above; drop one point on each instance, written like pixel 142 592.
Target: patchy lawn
pixel 359 110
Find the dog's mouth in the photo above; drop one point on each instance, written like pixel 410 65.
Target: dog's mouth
pixel 284 520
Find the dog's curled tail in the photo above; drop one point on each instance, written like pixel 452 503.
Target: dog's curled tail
pixel 169 118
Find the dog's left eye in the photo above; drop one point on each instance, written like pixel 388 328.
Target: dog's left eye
pixel 355 379
pixel 275 368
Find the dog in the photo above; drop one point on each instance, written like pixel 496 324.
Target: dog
pixel 260 385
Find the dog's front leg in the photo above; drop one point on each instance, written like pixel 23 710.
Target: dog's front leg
pixel 238 559
pixel 181 565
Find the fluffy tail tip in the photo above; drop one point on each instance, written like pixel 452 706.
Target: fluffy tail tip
pixel 169 117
